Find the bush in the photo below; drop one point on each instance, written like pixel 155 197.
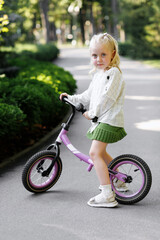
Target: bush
pixel 29 102
pixel 39 100
pixel 3 61
pixel 136 51
pixel 125 49
pixel 24 53
pixel 40 52
pixel 54 76
pixel 11 120
pixel 34 102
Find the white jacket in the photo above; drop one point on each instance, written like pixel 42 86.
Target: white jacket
pixel 105 97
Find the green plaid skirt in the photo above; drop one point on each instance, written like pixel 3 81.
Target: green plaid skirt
pixel 107 133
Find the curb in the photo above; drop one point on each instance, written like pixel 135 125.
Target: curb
pixel 44 139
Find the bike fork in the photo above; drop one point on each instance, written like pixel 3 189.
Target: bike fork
pixel 54 146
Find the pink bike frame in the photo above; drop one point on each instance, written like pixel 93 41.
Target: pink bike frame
pixel 62 137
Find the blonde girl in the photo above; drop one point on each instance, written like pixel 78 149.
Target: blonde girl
pixel 105 97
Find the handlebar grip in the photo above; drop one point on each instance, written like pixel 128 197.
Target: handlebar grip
pixel 63 98
pixel 66 100
pixel 80 108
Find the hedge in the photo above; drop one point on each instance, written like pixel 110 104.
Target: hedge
pixel 11 120
pixel 29 102
pixel 135 51
pixel 40 52
pixel 36 92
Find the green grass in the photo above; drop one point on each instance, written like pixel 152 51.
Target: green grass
pixel 153 63
pixel 19 47
pixel 22 47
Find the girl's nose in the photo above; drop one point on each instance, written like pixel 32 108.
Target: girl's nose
pixel 98 58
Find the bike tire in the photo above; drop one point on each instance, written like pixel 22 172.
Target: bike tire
pixel 32 178
pixel 141 177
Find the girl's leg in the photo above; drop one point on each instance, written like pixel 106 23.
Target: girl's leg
pixel 120 186
pixel 106 198
pixel 107 158
pixel 97 153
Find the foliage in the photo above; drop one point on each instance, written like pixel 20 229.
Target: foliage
pixel 36 91
pixel 136 51
pixel 3 57
pixel 29 103
pixel 41 52
pixel 56 77
pixel 20 21
pixel 126 49
pixel 142 27
pixel 11 120
pixel 44 52
pixel 4 21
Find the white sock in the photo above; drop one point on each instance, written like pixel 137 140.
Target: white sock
pixel 106 189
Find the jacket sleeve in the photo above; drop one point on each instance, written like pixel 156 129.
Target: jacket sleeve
pixel 83 98
pixel 110 93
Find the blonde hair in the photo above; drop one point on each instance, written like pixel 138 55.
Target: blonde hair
pixel 105 38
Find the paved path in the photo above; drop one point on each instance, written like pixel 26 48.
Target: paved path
pixel 62 212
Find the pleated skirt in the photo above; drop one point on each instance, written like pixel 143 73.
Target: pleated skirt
pixel 107 133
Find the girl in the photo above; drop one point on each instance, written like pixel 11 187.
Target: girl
pixel 105 97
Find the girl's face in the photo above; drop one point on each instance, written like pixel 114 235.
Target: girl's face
pixel 101 56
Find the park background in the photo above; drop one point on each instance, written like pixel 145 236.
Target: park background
pixel 32 32
pixel 31 78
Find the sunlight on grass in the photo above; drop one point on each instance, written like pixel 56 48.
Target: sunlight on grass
pixel 153 63
pixel 19 47
pixel 28 47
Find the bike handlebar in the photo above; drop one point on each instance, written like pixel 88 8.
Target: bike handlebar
pixel 79 107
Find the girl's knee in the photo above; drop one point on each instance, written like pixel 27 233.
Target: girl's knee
pixel 97 150
pixel 91 154
pixel 94 155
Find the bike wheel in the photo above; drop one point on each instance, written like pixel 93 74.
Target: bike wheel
pixel 33 178
pixel 140 176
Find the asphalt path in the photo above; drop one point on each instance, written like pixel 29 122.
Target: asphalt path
pixel 62 212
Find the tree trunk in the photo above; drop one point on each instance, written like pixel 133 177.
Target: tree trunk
pixel 82 22
pixel 115 12
pixel 52 32
pixel 43 4
pixel 92 18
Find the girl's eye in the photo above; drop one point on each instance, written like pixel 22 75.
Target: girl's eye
pixel 94 55
pixel 103 54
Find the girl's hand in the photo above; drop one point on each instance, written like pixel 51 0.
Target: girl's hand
pixel 85 114
pixel 63 95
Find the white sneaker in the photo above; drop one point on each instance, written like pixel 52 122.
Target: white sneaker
pixel 103 201
pixel 121 186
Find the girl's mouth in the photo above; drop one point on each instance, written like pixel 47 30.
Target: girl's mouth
pixel 99 64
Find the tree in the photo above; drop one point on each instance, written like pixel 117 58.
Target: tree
pixel 114 6
pixel 142 25
pixel 4 21
pixel 43 4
